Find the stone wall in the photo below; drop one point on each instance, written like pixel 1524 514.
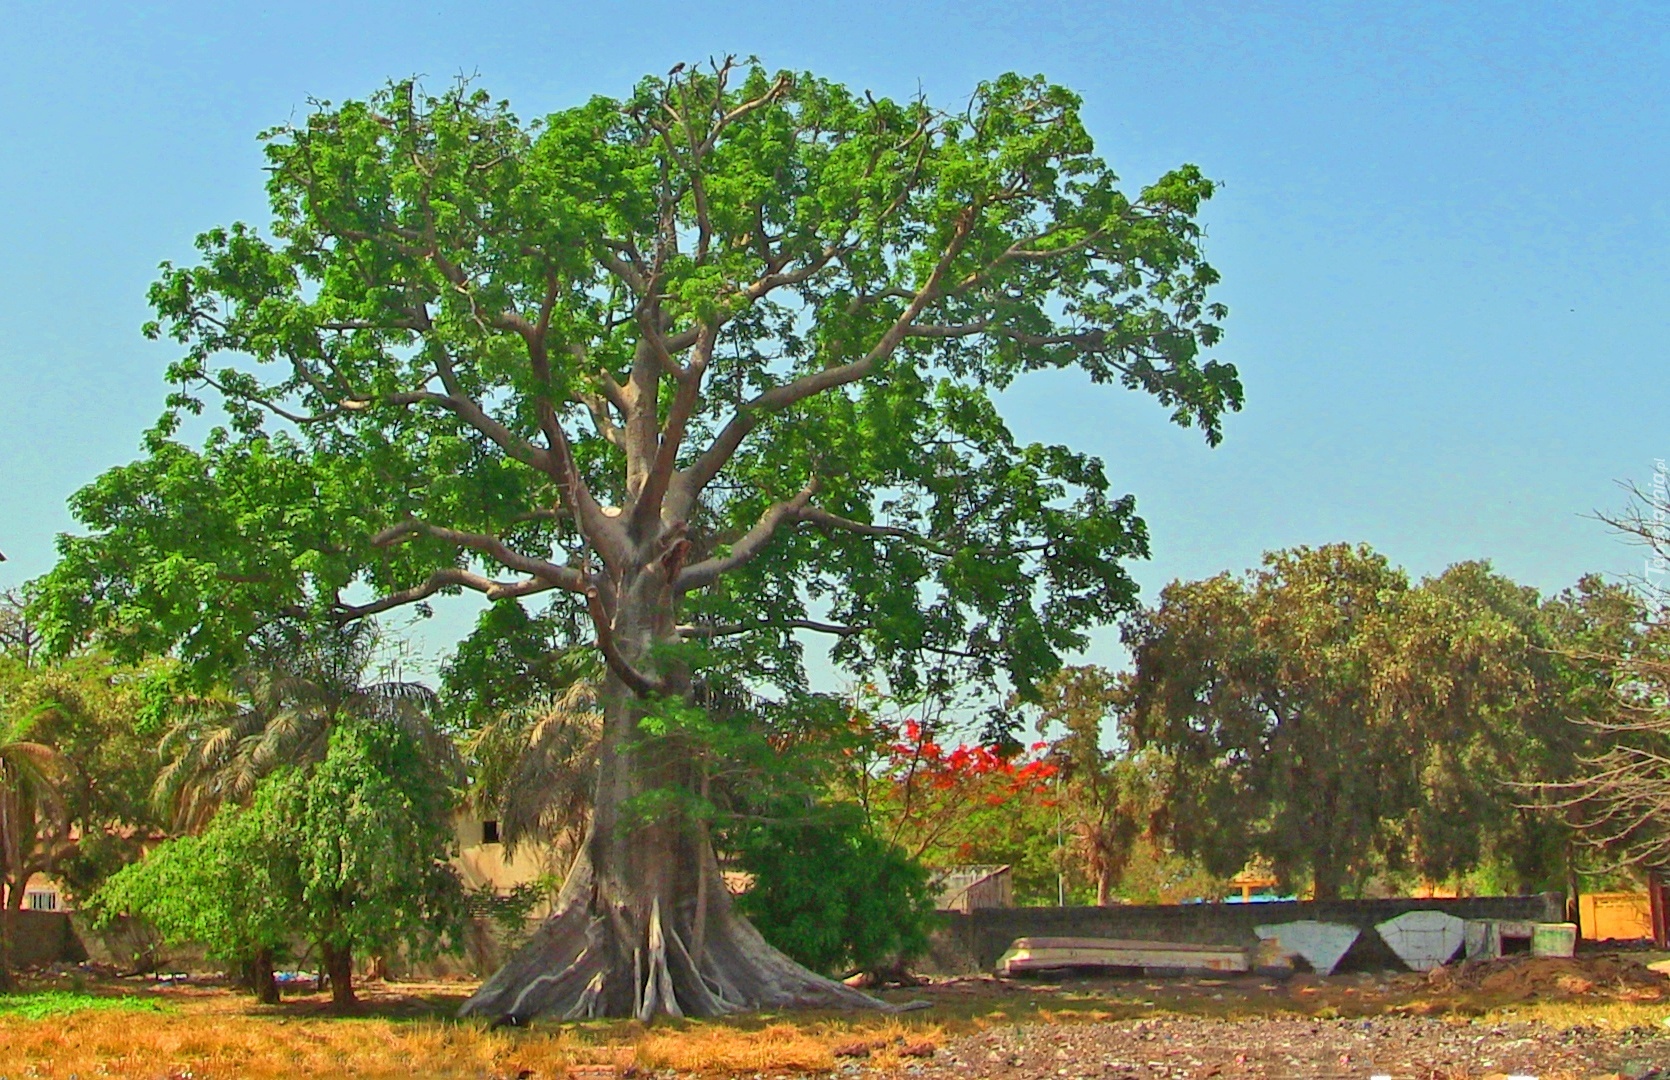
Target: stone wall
pixel 964 943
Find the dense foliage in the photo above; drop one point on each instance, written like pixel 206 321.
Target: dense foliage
pixel 231 889
pixel 1330 717
pixel 832 894
pixel 451 309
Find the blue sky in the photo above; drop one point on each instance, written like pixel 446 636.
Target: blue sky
pixel 1442 232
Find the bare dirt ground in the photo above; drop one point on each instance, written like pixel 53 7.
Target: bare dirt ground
pixel 1599 1015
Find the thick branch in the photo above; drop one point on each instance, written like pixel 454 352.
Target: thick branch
pixel 733 629
pixel 825 519
pixel 748 546
pixel 561 577
pixel 646 509
pixel 635 680
pixel 460 402
pixel 436 582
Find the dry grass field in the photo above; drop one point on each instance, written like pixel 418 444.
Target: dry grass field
pixel 125 1028
pixel 128 1028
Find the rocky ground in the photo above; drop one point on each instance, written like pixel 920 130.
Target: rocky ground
pixel 1604 1015
pixel 1402 1047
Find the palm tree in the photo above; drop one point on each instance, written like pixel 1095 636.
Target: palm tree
pixel 33 825
pixel 279 710
pixel 534 765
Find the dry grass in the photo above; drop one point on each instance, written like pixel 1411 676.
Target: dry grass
pixel 203 1045
pixel 1616 1015
pixel 407 1031
pixel 807 1045
pixel 211 1035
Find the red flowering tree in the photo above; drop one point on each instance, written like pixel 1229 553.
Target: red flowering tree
pixel 948 804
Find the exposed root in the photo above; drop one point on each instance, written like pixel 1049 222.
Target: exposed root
pixel 589 960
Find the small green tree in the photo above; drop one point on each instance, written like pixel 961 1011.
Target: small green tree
pixel 232 889
pixel 832 894
pixel 349 855
pixel 371 835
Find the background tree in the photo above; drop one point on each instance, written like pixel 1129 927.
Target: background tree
pixel 75 768
pixel 1342 724
pixel 1261 694
pixel 33 824
pixel 1506 689
pixel 1111 799
pixel 1615 792
pixel 20 638
pixel 712 363
pixel 91 711
pixel 299 683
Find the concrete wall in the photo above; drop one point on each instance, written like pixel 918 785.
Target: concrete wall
pixel 962 943
pixel 973 941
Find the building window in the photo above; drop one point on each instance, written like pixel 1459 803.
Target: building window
pixel 42 901
pixel 489 832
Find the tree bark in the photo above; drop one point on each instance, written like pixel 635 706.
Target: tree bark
pixel 8 980
pixel 339 968
pixel 643 926
pixel 261 979
pixel 1104 888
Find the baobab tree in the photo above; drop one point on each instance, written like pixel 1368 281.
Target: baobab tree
pixel 715 366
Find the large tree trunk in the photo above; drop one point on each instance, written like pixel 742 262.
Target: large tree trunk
pixel 339 969
pixel 643 925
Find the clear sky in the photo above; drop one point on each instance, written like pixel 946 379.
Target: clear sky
pixel 1442 231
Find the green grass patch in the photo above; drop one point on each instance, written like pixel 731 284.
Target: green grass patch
pixel 39 1006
